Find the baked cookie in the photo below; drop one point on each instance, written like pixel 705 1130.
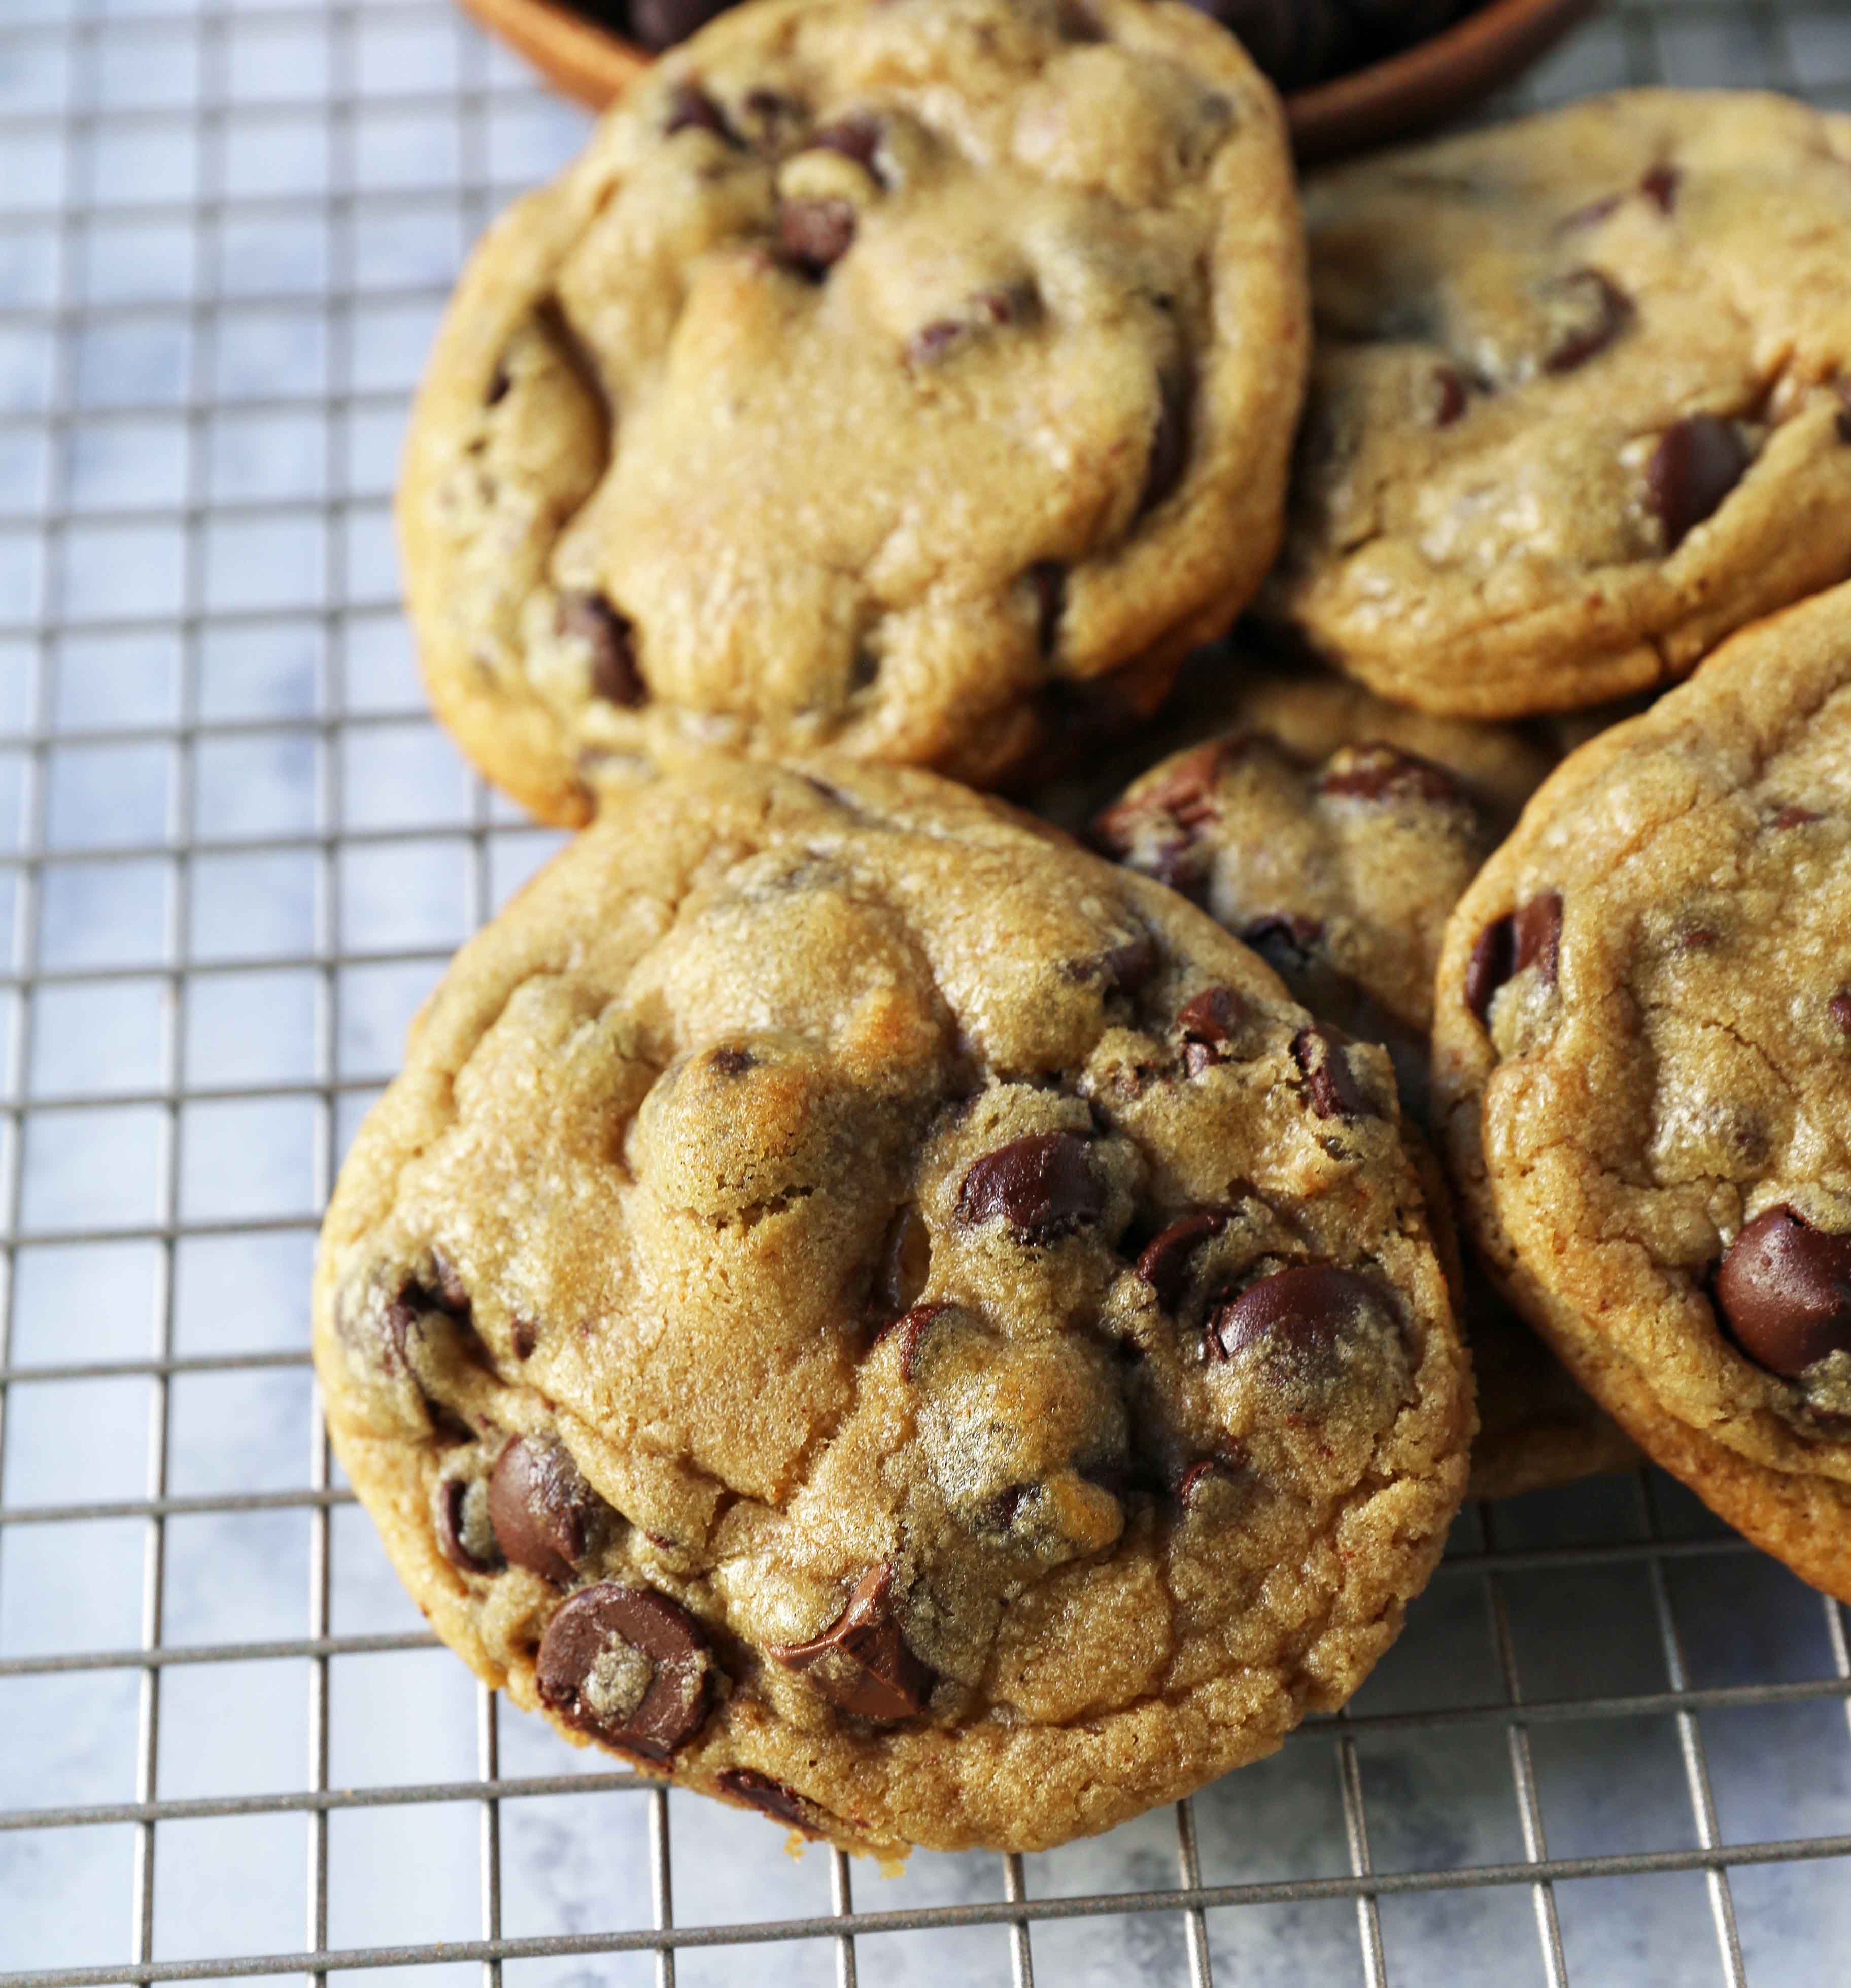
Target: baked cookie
pixel 1642 1066
pixel 859 1304
pixel 1334 833
pixel 915 377
pixel 1579 405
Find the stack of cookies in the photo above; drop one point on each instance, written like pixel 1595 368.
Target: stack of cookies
pixel 948 1337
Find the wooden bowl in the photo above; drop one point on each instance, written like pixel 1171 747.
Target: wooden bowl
pixel 1421 87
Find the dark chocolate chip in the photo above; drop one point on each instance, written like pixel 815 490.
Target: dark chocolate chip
pixel 1043 1186
pixel 465 1536
pixel 909 1332
pixel 1208 1022
pixel 1287 941
pixel 691 109
pixel 1592 313
pixel 1163 1263
pixel 773 1798
pixel 1697 462
pixel 815 235
pixel 544 1513
pixel 1329 1083
pixel 1169 440
pixel 1120 969
pixel 860 1661
pixel 627 1666
pixel 611 640
pixel 1784 1288
pixel 857 137
pixel 905 1260
pixel 1306 1309
pixel 1838 1008
pixel 732 1061
pixel 1530 936
pixel 1374 771
pixel 660 24
pixel 1449 395
pixel 526 1336
pixel 1660 186
pixel 1047 579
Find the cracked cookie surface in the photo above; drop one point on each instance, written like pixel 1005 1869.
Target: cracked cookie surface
pixel 1333 832
pixel 916 380
pixel 1642 1066
pixel 859 1304
pixel 1582 401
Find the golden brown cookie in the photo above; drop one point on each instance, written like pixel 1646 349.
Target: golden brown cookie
pixel 1579 407
pixel 862 1305
pixel 1642 1067
pixel 915 379
pixel 1334 833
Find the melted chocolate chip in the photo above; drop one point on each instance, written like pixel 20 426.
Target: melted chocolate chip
pixel 860 1661
pixel 857 137
pixel 1592 314
pixel 660 24
pixel 1047 579
pixel 1449 396
pixel 1375 770
pixel 1697 462
pixel 1659 186
pixel 909 1332
pixel 1169 440
pixel 1784 1288
pixel 815 235
pixel 629 1667
pixel 691 109
pixel 1043 1186
pixel 1306 1309
pixel 769 1797
pixel 611 640
pixel 905 1260
pixel 526 1336
pixel 1199 1476
pixel 1329 1082
pixel 1287 941
pixel 1838 1008
pixel 544 1513
pixel 465 1536
pixel 1208 1022
pixel 1530 936
pixel 1163 1263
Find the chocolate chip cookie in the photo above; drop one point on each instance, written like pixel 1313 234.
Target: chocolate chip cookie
pixel 862 1306
pixel 1581 403
pixel 914 378
pixel 1333 832
pixel 1642 1065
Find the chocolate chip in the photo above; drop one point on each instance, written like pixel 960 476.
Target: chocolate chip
pixel 466 1537
pixel 1329 1083
pixel 1697 462
pixel 909 1332
pixel 450 1289
pixel 1659 186
pixel 732 1061
pixel 1199 1476
pixel 1047 580
pixel 499 381
pixel 1169 440
pixel 1120 969
pixel 1590 313
pixel 1208 1022
pixel 544 1513
pixel 769 1797
pixel 627 1666
pixel 592 620
pixel 905 1260
pixel 1838 1008
pixel 1374 771
pixel 1043 1186
pixel 1530 936
pixel 691 109
pixel 860 1661
pixel 1784 1288
pixel 1287 941
pixel 1306 1309
pixel 1163 1263
pixel 815 235
pixel 857 137
pixel 526 1336
pixel 1794 816
pixel 660 24
pixel 1449 396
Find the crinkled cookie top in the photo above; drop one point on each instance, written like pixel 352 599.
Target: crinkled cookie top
pixel 854 1297
pixel 1580 406
pixel 916 379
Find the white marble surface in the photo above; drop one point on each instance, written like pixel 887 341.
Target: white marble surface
pixel 232 409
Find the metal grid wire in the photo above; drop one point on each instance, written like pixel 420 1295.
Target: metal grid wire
pixel 197 619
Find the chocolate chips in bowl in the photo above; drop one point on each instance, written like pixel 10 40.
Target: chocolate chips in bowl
pixel 1353 73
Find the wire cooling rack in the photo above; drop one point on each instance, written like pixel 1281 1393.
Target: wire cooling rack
pixel 1612 1746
